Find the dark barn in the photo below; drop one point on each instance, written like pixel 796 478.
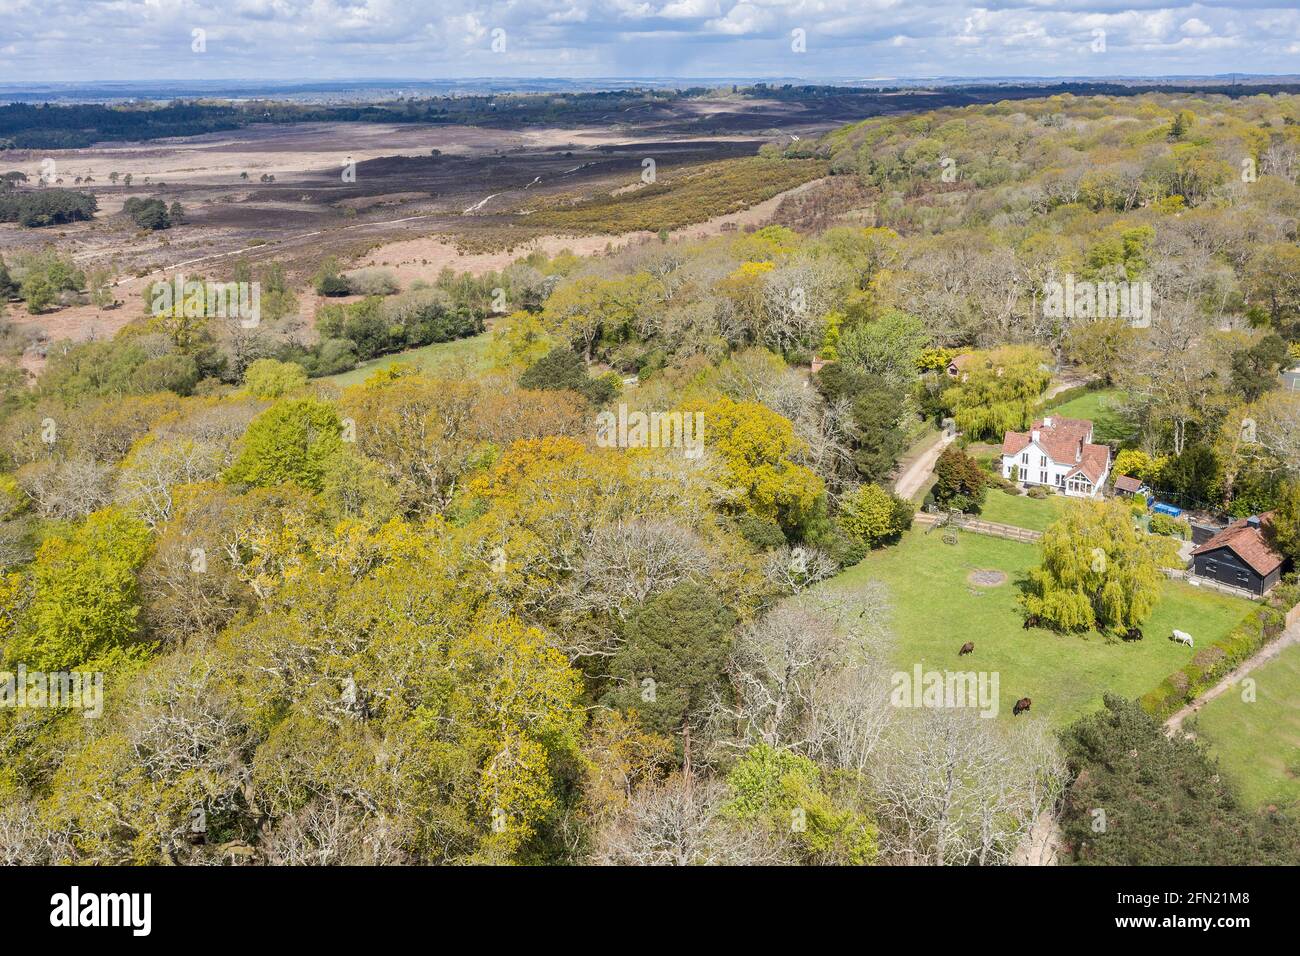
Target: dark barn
pixel 1240 556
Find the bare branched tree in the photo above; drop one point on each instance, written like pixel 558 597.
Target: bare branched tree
pixel 627 562
pixel 785 665
pixel 25 840
pixel 680 823
pixel 954 789
pixel 792 570
pixel 332 831
pixel 69 489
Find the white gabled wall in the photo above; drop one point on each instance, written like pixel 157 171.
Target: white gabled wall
pixel 1035 472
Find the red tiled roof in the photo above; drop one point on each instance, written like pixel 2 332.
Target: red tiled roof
pixel 1246 543
pixel 1065 442
pixel 1095 460
pixel 1014 443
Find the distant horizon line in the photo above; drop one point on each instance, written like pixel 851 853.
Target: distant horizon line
pixel 658 78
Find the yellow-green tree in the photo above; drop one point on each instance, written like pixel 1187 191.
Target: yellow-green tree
pixel 788 794
pixel 292 442
pixel 755 449
pixel 1098 571
pixel 869 514
pixel 267 378
pixel 998 392
pixel 81 596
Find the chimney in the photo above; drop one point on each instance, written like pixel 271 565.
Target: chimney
pixel 1034 434
pixel 1252 521
pixel 1047 422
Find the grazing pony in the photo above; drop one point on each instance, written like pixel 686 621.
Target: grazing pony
pixel 1022 705
pixel 967 648
pixel 1182 637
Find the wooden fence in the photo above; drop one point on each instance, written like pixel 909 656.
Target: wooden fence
pixel 979 526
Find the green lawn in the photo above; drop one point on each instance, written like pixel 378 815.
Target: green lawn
pixel 1258 743
pixel 1021 510
pixel 1107 423
pixel 472 351
pixel 936 611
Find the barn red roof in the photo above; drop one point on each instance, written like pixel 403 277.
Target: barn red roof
pixel 1247 543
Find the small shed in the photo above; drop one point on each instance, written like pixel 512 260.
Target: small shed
pixel 959 363
pixel 1127 485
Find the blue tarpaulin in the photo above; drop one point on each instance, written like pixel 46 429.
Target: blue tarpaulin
pixel 1165 509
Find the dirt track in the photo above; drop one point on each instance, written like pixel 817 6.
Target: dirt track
pixel 1265 654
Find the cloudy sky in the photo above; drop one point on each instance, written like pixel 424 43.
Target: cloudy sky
pixel 52 40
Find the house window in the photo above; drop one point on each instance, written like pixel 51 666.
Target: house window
pixel 1241 576
pixel 1210 567
pixel 1042 477
pixel 1060 479
pixel 1042 461
pixel 1024 459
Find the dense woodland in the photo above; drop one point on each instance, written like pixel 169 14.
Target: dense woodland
pixel 427 618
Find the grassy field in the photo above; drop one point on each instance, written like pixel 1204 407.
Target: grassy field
pixel 936 610
pixel 1258 743
pixel 1108 424
pixel 430 358
pixel 1022 511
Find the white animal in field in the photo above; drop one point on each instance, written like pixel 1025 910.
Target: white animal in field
pixel 1182 637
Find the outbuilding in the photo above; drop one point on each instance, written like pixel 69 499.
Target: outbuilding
pixel 1240 556
pixel 1128 485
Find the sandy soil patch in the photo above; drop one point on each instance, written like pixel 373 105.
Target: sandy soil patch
pixel 282 151
pixel 425 257
pixel 986 578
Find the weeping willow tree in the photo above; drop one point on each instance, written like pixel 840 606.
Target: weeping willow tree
pixel 999 391
pixel 1098 571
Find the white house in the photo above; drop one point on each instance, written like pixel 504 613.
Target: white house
pixel 1058 452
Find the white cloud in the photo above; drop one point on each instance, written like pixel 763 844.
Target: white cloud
pixel 49 40
pixel 691 9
